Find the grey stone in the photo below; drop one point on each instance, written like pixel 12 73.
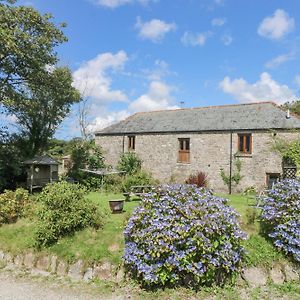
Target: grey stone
pixel 2 255
pixel 88 274
pixel 120 275
pixel 103 271
pixel 75 270
pixel 53 264
pixel 290 273
pixel 40 272
pixel 8 257
pixel 62 268
pixel 18 260
pixel 277 275
pixel 43 263
pixel 255 276
pixel 208 152
pixel 29 260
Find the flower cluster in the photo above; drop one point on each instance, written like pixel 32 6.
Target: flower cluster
pixel 182 233
pixel 281 216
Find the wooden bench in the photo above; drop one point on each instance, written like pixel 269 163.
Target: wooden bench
pixel 136 191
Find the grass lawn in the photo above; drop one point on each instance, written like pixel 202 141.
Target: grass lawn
pixel 88 244
pixel 107 244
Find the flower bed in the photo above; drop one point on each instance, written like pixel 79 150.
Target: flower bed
pixel 181 234
pixel 281 216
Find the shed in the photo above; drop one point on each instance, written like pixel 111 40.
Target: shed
pixel 40 171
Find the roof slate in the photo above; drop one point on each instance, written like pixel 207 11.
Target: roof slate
pixel 41 160
pixel 252 116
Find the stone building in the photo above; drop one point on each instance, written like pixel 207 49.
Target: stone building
pixel 174 144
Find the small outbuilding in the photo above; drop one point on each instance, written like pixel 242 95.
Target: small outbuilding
pixel 41 170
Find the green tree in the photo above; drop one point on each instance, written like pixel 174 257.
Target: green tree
pixel 10 162
pixel 129 163
pixel 293 106
pixel 41 109
pixel 27 47
pixel 85 155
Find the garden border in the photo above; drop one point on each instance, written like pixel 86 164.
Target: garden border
pixel 47 265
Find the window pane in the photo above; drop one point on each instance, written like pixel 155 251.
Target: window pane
pixel 241 143
pixel 248 143
pixel 187 144
pixel 181 146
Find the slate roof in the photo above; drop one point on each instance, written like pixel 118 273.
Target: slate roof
pixel 252 116
pixel 41 160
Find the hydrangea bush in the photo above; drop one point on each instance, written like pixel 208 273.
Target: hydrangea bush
pixel 181 234
pixel 281 216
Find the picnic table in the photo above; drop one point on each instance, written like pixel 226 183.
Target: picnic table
pixel 136 191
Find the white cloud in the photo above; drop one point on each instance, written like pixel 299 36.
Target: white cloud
pixel 265 89
pixel 195 39
pixel 159 71
pixel 117 3
pixel 297 80
pixel 154 30
pixel 218 21
pixel 227 39
pixel 158 97
pixel 108 119
pixel 279 60
pixel 276 26
pixel 92 78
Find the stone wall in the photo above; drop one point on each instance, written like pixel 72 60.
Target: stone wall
pixel 46 265
pixel 209 152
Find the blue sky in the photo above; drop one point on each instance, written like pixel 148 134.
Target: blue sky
pixel 137 55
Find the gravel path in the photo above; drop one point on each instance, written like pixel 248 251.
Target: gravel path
pixel 22 288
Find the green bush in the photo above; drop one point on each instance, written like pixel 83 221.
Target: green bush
pixel 91 182
pixel 12 205
pixel 139 178
pixel 183 235
pixel 64 210
pixel 113 183
pixel 129 163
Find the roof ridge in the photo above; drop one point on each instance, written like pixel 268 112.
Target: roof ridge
pixel 204 107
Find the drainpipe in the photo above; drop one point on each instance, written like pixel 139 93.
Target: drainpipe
pixel 230 164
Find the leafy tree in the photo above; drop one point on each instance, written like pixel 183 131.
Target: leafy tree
pixel 41 109
pixel 129 163
pixel 27 47
pixel 10 162
pixel 293 106
pixel 85 154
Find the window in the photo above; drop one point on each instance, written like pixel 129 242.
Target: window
pixel 272 178
pixel 184 151
pixel 245 143
pixel 131 143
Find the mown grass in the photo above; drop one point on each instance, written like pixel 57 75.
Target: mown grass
pixel 107 244
pixel 259 249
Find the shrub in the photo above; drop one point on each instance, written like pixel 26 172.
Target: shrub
pixel 181 234
pixel 139 178
pixel 129 163
pixel 199 179
pixel 12 205
pixel 64 209
pixel 113 183
pixel 281 216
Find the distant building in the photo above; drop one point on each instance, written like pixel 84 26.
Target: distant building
pixel 174 144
